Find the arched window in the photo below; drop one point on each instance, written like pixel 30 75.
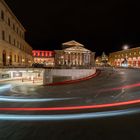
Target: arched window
pixel 4 57
pixel 9 22
pixel 2 15
pixel 3 35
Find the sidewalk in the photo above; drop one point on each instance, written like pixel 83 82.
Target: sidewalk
pixel 20 82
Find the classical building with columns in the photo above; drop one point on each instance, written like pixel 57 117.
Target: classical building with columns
pixel 46 58
pixel 74 54
pixel 14 50
pixel 125 58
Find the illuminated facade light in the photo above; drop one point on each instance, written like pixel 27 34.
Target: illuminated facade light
pixel 125 47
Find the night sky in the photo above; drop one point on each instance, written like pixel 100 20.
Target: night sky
pixel 101 25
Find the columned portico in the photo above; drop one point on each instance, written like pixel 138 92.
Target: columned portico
pixel 73 54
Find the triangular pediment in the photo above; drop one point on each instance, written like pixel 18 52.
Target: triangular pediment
pixel 72 43
pixel 76 49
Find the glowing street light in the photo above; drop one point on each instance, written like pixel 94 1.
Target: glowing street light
pixel 23 60
pixel 8 57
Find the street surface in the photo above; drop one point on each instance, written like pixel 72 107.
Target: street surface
pixel 115 92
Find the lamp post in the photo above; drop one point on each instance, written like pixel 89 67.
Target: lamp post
pixel 23 60
pixel 8 57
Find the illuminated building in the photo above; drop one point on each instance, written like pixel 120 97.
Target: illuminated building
pixel 102 60
pixel 43 57
pixel 74 54
pixel 14 50
pixel 126 58
pixel 98 61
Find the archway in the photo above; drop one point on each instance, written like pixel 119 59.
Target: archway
pixel 10 59
pixel 4 58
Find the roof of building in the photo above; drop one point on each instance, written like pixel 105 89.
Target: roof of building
pixel 72 43
pixel 126 50
pixel 10 11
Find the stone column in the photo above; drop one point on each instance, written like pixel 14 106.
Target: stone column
pixel 83 63
pixel 88 59
pixel 71 59
pixel 76 59
pixel 80 58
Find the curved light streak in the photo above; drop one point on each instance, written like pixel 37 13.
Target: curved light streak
pixel 122 87
pixel 69 116
pixel 4 87
pixel 99 106
pixel 8 99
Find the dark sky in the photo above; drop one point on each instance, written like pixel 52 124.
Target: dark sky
pixel 101 25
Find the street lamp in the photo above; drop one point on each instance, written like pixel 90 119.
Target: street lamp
pixel 23 61
pixel 8 57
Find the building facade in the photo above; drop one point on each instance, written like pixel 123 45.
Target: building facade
pixel 102 60
pixel 74 54
pixel 126 58
pixel 14 50
pixel 46 58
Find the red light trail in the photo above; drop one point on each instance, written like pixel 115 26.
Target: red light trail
pixel 100 106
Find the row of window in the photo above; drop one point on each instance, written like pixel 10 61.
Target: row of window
pixel 15 43
pixel 131 53
pixel 12 25
pixel 18 59
pixel 43 54
pixel 21 59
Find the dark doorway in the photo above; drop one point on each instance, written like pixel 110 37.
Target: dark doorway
pixel 10 60
pixel 4 58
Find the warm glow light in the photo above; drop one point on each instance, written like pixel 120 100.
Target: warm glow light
pixel 125 47
pixel 23 60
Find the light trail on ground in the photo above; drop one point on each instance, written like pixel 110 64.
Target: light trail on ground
pixel 122 87
pixel 94 115
pixel 67 108
pixel 15 99
pixel 5 87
